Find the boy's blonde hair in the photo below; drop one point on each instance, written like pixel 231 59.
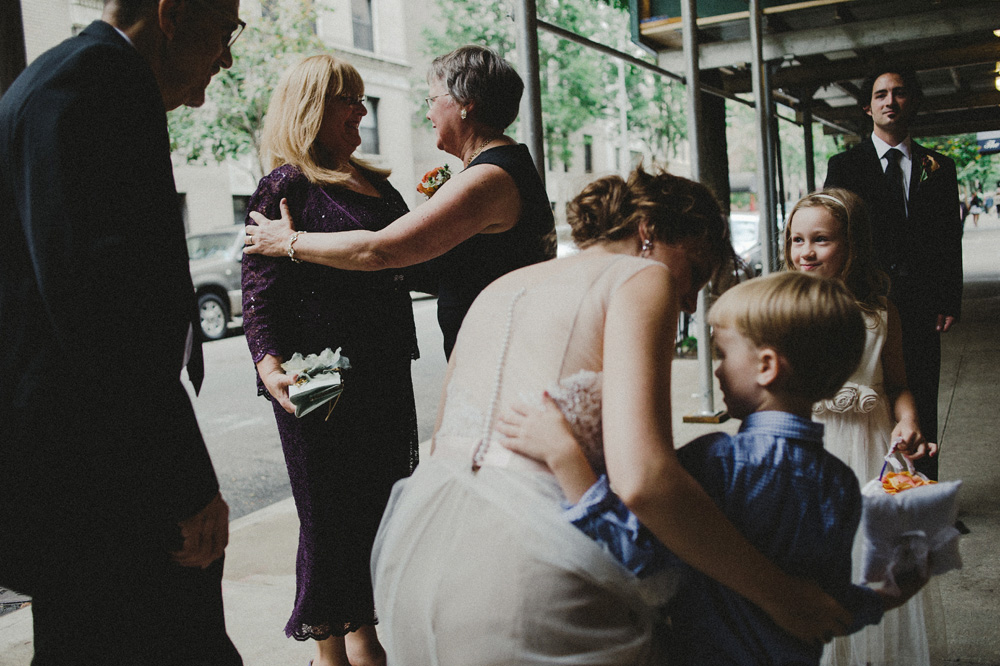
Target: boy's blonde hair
pixel 295 115
pixel 813 323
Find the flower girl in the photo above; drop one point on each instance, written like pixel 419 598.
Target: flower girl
pixel 828 234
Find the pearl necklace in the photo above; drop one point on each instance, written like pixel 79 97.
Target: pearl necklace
pixel 479 150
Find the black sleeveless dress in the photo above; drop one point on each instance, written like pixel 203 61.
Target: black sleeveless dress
pixel 466 269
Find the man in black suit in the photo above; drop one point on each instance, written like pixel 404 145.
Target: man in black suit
pixel 110 512
pixel 911 194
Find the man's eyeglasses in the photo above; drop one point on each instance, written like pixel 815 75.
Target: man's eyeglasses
pixel 430 100
pixel 238 25
pixel 353 100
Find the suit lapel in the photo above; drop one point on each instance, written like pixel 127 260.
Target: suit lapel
pixel 871 167
pixel 874 175
pixel 917 153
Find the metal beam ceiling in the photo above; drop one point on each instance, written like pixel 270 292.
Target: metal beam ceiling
pixel 820 51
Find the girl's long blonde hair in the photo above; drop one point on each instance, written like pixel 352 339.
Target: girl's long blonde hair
pixel 296 112
pixel 868 283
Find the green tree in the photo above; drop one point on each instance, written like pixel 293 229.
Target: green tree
pixel 578 85
pixel 974 170
pixel 656 116
pixel 228 126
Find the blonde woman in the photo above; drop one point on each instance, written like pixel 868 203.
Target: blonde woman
pixel 342 467
pixel 491 218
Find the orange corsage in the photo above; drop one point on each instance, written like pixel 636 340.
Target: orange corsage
pixel 928 166
pixel 433 180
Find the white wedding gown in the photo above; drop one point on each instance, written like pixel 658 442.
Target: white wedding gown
pixel 858 429
pixel 481 567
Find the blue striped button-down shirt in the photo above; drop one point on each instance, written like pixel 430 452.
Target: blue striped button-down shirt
pixel 795 502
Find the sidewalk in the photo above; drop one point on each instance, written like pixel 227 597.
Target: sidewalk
pixel 259 584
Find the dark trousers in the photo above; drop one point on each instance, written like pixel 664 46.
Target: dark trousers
pixel 80 541
pixel 922 359
pixel 169 616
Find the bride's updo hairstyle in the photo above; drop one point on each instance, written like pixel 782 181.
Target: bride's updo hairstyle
pixel 674 209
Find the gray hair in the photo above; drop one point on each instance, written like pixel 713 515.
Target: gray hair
pixel 477 74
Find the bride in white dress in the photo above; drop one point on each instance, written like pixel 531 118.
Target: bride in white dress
pixel 474 562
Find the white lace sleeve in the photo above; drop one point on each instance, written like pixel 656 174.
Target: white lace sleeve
pixel 579 398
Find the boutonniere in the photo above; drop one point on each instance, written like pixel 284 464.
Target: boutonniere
pixel 928 166
pixel 433 180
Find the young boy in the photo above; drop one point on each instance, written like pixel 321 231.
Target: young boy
pixel 784 342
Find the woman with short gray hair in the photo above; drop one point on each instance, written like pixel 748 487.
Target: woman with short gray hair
pixel 490 218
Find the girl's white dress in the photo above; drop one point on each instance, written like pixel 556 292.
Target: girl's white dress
pixel 481 567
pixel 858 429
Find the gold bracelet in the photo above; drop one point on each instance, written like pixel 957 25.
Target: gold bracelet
pixel 291 246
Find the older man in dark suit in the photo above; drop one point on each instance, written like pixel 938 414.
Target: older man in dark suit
pixel 911 194
pixel 110 512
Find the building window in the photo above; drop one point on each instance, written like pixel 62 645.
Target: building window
pixel 241 203
pixel 369 128
pixel 361 13
pixel 588 154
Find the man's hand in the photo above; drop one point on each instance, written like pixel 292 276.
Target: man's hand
pixel 944 322
pixel 205 535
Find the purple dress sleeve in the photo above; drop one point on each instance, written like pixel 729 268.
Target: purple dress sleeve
pixel 304 307
pixel 261 275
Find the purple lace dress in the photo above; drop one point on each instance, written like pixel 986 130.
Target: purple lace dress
pixel 342 468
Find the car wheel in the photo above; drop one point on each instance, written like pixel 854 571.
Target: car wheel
pixel 213 316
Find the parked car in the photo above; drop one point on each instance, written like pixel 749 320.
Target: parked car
pixel 744 231
pixel 216 258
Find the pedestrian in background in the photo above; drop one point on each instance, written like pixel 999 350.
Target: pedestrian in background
pixel 111 515
pixel 975 208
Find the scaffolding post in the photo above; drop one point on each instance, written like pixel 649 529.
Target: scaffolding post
pixel 765 157
pixel 526 21
pixel 689 17
pixel 624 154
pixel 13 59
pixel 808 145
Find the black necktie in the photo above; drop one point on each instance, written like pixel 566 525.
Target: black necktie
pixel 196 362
pixel 895 212
pixel 894 181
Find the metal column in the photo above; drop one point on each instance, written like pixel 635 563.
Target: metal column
pixel 807 144
pixel 765 161
pixel 526 21
pixel 13 59
pixel 624 154
pixel 689 17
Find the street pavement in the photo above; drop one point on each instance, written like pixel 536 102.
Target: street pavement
pixel 259 583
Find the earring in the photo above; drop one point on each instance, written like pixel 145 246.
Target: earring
pixel 463 114
pixel 647 248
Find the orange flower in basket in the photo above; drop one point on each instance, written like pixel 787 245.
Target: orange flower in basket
pixel 895 482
